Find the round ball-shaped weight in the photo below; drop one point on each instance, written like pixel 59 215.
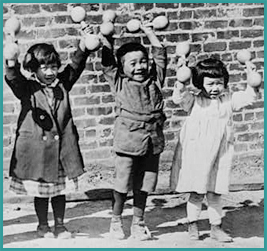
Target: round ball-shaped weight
pixel 107 28
pixel 254 79
pixel 183 48
pixel 160 22
pixel 109 16
pixel 243 56
pixel 183 74
pixel 11 51
pixel 78 14
pixel 92 42
pixel 133 25
pixel 12 25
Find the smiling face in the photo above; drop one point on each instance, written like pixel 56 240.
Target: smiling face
pixel 213 87
pixel 47 73
pixel 135 65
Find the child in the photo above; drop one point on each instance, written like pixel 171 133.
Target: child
pixel 138 130
pixel 205 147
pixel 46 161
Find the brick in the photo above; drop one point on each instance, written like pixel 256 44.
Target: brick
pixel 257 126
pixel 55 7
pixel 237 117
pixel 240 147
pixel 78 112
pixel 259 22
pixel 251 33
pixel 253 12
pixel 216 24
pixel 87 146
pixel 84 123
pixel 218 46
pixel 259 104
pixel 241 127
pixel 258 43
pixel 259 115
pixel 249 116
pixel 166 5
pixel 208 13
pixel 90 133
pixel 176 124
pixel 78 90
pixel 203 36
pixel 27 35
pixel 96 111
pixel 62 19
pixel 240 23
pixel 239 45
pixel 98 154
pixel 108 99
pixel 6 141
pixel 189 25
pixel 187 14
pixel 91 100
pixel 167 93
pixel 248 137
pixel 106 132
pixel 256 146
pixel 26 9
pixel 192 5
pixel 228 34
pixel 7 131
pixel 180 113
pixel 170 82
pixel 107 121
pixel 99 88
pixel 8 108
pixel 9 119
pixel 106 142
pixel 170 72
pixel 146 6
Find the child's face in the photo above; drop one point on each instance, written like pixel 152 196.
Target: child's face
pixel 135 65
pixel 47 73
pixel 213 87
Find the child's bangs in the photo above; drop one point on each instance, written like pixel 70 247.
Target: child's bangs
pixel 48 58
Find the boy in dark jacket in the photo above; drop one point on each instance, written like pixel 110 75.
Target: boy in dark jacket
pixel 138 131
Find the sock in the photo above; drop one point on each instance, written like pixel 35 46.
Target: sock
pixel 140 198
pixel 41 209
pixel 59 205
pixel 118 201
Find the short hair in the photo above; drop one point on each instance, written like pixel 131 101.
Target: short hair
pixel 129 47
pixel 39 54
pixel 212 68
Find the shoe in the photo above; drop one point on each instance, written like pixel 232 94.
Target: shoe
pixel 61 232
pixel 44 231
pixel 218 234
pixel 193 231
pixel 116 228
pixel 139 231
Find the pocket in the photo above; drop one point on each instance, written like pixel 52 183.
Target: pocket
pixel 133 125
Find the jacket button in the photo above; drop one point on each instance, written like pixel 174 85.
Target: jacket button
pixel 42 117
pixel 44 138
pixel 56 137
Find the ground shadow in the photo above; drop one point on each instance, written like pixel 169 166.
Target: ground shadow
pixel 245 220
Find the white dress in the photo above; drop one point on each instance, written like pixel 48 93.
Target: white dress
pixel 203 156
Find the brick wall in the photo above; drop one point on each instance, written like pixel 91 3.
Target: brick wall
pixel 219 29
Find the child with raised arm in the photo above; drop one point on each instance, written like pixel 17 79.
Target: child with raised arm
pixel 138 130
pixel 46 162
pixel 205 148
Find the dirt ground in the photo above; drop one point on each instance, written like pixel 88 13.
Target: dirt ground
pixel 165 217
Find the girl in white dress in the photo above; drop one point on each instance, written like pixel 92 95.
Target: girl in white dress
pixel 203 156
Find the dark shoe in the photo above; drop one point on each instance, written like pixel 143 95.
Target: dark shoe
pixel 139 231
pixel 116 228
pixel 193 231
pixel 219 235
pixel 61 232
pixel 44 231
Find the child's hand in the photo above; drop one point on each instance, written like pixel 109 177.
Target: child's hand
pixel 11 51
pixel 147 27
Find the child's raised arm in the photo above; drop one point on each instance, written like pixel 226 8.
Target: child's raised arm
pixel 148 30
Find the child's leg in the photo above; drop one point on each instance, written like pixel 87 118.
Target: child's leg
pixel 41 209
pixel 58 206
pixel 215 217
pixel 139 203
pixel 123 170
pixel 193 209
pixel 145 180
